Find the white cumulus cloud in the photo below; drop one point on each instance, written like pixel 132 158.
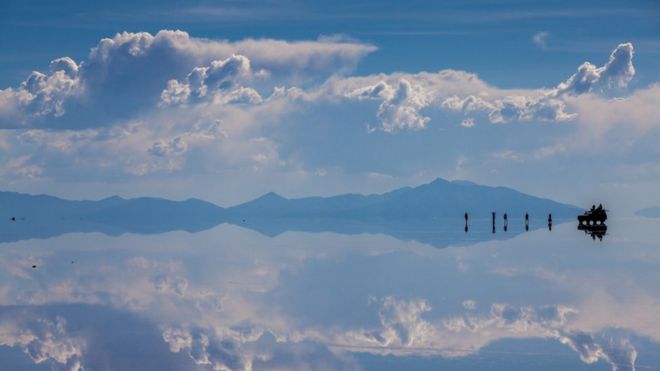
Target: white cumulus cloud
pixel 617 72
pixel 126 74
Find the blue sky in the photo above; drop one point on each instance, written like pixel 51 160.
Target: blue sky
pixel 492 38
pixel 328 98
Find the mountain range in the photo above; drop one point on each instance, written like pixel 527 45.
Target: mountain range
pixel 43 216
pixel 440 198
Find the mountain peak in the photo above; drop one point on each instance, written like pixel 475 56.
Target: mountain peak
pixel 439 198
pixel 464 182
pixel 112 198
pixel 439 181
pixel 271 196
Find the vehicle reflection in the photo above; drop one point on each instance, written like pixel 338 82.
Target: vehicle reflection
pixel 595 231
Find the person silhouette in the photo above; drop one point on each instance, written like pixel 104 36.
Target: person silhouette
pixel 493 215
pixel 526 221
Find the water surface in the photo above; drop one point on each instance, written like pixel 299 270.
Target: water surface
pixel 290 296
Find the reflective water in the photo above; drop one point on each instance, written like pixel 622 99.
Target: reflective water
pixel 326 295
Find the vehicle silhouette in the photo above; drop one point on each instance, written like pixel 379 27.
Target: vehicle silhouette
pixel 595 216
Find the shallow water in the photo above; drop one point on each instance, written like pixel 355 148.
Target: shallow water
pixel 399 296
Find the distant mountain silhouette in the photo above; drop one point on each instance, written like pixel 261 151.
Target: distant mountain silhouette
pixel 411 213
pixel 649 212
pixel 439 198
pixel 47 216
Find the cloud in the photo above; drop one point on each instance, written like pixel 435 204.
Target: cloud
pixel 467 122
pixel 539 39
pixel 404 331
pixel 402 322
pixel 40 95
pixel 219 82
pixel 400 105
pixel 170 284
pixel 536 154
pixel 512 108
pixel 542 321
pixel 126 74
pixel 552 321
pixel 550 105
pixel 638 111
pixel 401 110
pixel 164 142
pixel 163 148
pixel 380 90
pixel 43 340
pixel 618 352
pixel 248 348
pixel 240 336
pixel 21 167
pixel 142 105
pixel 403 96
pixel 617 72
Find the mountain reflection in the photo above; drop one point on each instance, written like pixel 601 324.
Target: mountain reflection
pixel 229 298
pixel 437 232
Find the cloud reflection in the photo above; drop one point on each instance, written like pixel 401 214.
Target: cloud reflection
pixel 232 299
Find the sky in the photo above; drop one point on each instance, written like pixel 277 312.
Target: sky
pixel 228 100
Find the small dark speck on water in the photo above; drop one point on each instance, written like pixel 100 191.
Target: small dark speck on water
pixel 34 266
